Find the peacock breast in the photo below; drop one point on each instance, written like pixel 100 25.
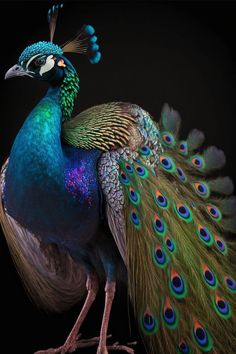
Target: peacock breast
pixel 80 175
pixel 65 210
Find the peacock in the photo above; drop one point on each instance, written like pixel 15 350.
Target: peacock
pixel 111 194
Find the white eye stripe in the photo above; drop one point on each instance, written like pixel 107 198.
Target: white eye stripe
pixel 31 59
pixel 47 66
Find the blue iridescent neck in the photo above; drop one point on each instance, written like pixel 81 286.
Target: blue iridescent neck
pixel 37 148
pixel 54 93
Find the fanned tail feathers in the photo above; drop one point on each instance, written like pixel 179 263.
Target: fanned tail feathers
pixel 180 267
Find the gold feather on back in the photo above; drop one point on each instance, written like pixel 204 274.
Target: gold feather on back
pixel 103 127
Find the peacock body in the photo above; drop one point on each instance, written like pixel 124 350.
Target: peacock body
pixel 60 180
pixel 110 190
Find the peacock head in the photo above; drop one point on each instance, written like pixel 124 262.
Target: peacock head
pixel 46 61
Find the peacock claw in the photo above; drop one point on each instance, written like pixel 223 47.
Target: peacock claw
pixel 71 345
pixel 117 346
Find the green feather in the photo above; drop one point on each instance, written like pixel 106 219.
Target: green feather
pixel 100 127
pixel 226 315
pixel 68 91
pixel 150 281
pixel 206 348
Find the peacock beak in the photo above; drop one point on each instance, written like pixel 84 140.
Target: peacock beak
pixel 17 70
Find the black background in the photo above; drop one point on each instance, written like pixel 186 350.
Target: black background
pixel 180 53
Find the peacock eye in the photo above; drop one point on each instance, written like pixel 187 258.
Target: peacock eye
pixel 39 61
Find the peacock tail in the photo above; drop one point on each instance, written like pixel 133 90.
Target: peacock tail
pixel 180 267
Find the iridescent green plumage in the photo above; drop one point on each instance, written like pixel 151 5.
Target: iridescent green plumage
pixel 68 92
pixel 155 272
pixel 105 126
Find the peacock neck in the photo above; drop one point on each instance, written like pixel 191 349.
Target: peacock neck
pixel 37 150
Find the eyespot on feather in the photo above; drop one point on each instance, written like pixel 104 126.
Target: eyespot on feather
pixel 201 337
pixel 220 245
pixel 168 139
pixel 134 217
pixel 160 199
pixel 221 306
pixel 178 285
pixel 183 147
pixel 183 212
pixel 145 151
pixel 230 284
pixel 214 212
pixel 148 322
pixel 183 347
pixel 197 161
pixel 167 163
pixel 209 277
pixel 180 173
pixel 159 256
pixel 124 178
pixel 134 196
pixel 169 314
pixel 170 244
pixel 204 235
pixel 202 189
pixel 159 225
pixel 141 171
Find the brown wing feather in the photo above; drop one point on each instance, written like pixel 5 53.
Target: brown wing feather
pixel 52 279
pixel 104 127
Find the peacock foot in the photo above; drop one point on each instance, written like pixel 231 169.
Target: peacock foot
pixel 116 346
pixel 71 345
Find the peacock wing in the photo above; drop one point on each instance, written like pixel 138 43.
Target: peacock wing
pixel 51 278
pixel 104 127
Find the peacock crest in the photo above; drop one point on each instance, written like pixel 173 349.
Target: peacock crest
pixel 85 42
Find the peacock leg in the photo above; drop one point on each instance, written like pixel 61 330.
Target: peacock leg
pixel 72 342
pixel 102 347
